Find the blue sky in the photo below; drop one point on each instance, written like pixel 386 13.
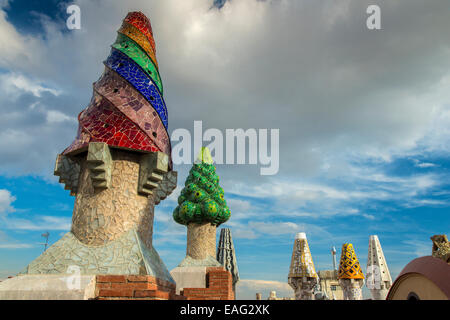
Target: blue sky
pixel 363 119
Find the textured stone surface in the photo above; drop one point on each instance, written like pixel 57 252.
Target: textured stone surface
pixel 102 216
pixel 99 162
pixel 127 255
pixel 201 240
pixel 68 171
pixel 441 247
pixel 48 287
pixel 209 261
pixel 352 288
pixel 226 254
pixel 303 287
pixel 151 170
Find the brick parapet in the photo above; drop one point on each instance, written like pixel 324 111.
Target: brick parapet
pixel 219 286
pixel 134 287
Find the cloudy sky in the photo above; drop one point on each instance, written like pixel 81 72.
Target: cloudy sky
pixel 364 118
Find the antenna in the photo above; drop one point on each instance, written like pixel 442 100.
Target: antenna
pixel 333 253
pixel 45 235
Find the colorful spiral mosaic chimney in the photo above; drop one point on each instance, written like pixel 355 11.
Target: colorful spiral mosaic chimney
pixel 127 109
pixel 350 275
pixel 302 274
pixel 119 168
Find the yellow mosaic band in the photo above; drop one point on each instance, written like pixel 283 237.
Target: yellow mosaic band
pixel 349 267
pixel 137 36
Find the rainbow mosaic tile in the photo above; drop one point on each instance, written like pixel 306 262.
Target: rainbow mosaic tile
pixel 134 34
pixel 130 71
pixel 134 51
pixel 131 103
pixel 102 122
pixel 140 21
pixel 127 109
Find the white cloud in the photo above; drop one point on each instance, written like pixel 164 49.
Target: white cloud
pixel 275 228
pixel 39 223
pixel 257 229
pixel 13 83
pixel 247 289
pixel 6 199
pixel 57 116
pixel 356 101
pixel 424 164
pixel 16 246
pixel 17 47
pixel 419 247
pixel 239 205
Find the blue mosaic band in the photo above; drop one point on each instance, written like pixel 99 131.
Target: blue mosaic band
pixel 131 72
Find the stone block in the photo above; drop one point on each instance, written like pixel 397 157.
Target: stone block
pixel 189 277
pixel 48 287
pixel 218 284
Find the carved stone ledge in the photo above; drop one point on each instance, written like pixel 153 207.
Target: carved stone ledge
pixel 152 168
pixel 68 171
pixel 99 162
pixel 166 186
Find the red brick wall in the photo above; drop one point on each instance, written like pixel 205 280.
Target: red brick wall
pixel 219 286
pixel 133 287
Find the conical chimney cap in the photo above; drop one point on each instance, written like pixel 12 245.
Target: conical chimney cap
pixel 349 267
pixel 302 264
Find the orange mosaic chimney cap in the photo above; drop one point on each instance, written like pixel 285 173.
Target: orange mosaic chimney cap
pixel 349 267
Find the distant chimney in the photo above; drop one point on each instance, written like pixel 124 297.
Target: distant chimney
pixel 273 295
pixel 302 274
pixel 333 253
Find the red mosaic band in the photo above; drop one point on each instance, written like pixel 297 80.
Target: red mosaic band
pixel 140 21
pixel 102 122
pixel 131 103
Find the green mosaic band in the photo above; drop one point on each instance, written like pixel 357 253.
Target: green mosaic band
pixel 137 36
pixel 134 51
